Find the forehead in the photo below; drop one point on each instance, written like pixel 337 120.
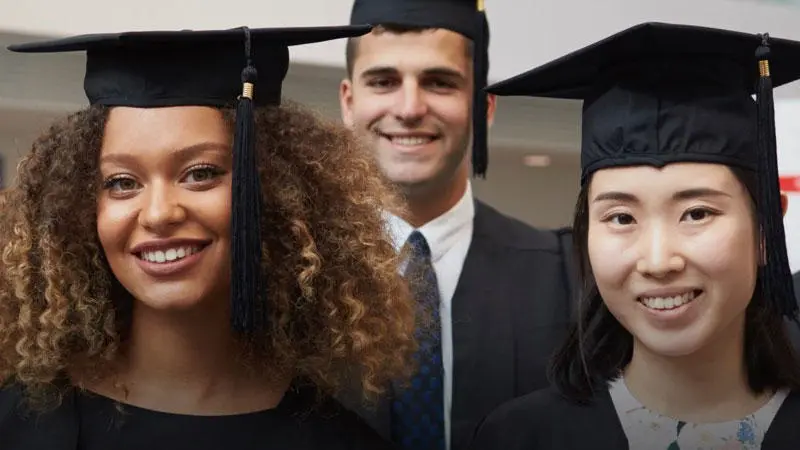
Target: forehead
pixel 143 130
pixel 412 51
pixel 650 181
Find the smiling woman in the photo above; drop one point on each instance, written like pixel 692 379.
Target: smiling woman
pixel 681 339
pixel 121 264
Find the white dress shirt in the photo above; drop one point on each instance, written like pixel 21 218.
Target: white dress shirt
pixel 449 237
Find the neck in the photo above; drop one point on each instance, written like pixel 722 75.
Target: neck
pixel 425 206
pixel 189 362
pixel 709 385
pixel 186 347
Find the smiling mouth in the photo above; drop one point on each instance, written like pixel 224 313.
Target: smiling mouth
pixel 409 141
pixel 667 303
pixel 170 255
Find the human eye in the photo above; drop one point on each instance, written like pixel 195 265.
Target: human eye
pixel 381 83
pixel 202 173
pixel 619 219
pixel 121 184
pixel 699 214
pixel 441 84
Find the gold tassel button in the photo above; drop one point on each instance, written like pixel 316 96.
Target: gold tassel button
pixel 763 67
pixel 247 91
pixel 481 6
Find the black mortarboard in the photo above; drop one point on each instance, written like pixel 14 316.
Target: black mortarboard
pixel 466 17
pixel 660 93
pixel 238 67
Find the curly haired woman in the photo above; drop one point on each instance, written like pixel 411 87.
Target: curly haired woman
pixel 131 315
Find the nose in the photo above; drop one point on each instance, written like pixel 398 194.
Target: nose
pixel 162 209
pixel 658 256
pixel 410 106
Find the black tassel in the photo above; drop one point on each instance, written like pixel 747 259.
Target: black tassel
pixel 480 65
pixel 776 277
pixel 248 304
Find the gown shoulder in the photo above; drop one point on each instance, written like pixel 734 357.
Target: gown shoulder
pixel 546 419
pixel 25 428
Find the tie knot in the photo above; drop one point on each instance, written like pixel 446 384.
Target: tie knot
pixel 419 246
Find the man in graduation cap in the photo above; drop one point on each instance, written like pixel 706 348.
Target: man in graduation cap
pixel 498 288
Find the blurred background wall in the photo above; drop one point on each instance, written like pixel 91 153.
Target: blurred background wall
pixel 533 172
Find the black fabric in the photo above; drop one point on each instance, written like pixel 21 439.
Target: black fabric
pixel 544 420
pixel 660 93
pixel 87 421
pixel 792 326
pixel 181 68
pixel 510 311
pixel 455 15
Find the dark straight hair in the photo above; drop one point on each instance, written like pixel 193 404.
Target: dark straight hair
pixel 598 347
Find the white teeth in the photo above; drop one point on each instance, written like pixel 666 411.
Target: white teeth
pixel 169 255
pixel 410 141
pixel 664 303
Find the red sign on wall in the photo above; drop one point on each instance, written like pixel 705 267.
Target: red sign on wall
pixel 790 183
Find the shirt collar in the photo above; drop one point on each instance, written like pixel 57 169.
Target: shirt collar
pixel 441 232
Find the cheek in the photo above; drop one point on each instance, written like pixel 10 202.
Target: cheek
pixel 367 108
pixel 608 258
pixel 213 210
pixel 114 222
pixel 452 110
pixel 222 218
pixel 726 254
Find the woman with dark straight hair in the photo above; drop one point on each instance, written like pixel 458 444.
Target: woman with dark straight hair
pixel 681 339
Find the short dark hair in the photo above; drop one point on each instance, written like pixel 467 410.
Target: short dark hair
pixel 598 347
pixel 351 50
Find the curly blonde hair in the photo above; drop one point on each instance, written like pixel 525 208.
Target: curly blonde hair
pixel 338 304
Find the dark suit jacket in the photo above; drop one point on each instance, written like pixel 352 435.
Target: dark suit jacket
pixel 511 308
pixel 796 280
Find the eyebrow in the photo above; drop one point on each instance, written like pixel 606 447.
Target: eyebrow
pixel 686 194
pixel 433 71
pixel 183 153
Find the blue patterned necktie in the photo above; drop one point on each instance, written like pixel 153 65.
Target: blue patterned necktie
pixel 418 410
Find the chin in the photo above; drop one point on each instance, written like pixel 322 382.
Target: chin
pixel 673 343
pixel 171 298
pixel 421 178
pixel 409 174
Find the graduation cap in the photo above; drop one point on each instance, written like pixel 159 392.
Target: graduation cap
pixel 659 93
pixel 241 68
pixel 466 17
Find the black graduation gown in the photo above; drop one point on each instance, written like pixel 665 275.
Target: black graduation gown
pixel 90 422
pixel 796 282
pixel 510 310
pixel 794 330
pixel 545 420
